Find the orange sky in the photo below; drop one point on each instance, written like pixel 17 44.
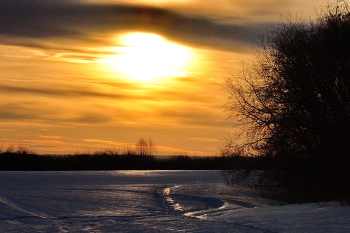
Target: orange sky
pixel 94 74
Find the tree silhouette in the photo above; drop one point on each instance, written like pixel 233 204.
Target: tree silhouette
pixel 294 102
pixel 144 147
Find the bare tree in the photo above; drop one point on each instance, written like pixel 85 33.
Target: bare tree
pixel 294 102
pixel 144 147
pixel 151 147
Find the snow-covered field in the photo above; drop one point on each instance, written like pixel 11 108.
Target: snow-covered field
pixel 151 201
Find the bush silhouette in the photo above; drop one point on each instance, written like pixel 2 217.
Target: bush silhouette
pixel 294 106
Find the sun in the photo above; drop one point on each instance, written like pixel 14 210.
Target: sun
pixel 146 56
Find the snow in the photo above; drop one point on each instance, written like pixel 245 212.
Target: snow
pixel 151 201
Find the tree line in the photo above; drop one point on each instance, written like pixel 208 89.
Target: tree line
pixel 140 158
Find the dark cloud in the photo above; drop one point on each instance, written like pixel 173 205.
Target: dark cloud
pixel 93 118
pixel 44 19
pixel 45 113
pixel 77 92
pixel 194 115
pixel 60 92
pixel 18 111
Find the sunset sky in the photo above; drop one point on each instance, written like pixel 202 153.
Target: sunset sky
pixel 93 74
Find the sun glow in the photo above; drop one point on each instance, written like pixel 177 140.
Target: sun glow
pixel 145 56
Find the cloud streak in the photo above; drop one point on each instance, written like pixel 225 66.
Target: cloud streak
pixel 39 19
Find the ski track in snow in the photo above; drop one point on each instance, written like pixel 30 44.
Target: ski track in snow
pixel 16 211
pixel 215 205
